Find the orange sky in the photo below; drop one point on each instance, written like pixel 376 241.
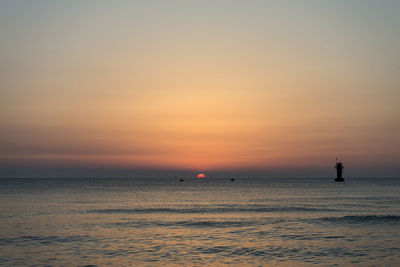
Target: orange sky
pixel 199 86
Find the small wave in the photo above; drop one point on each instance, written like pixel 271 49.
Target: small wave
pixel 192 224
pixel 362 219
pixel 45 240
pixel 209 210
pixel 213 224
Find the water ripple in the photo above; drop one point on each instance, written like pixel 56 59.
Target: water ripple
pixel 362 219
pixel 45 240
pixel 207 209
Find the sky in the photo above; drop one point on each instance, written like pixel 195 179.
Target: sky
pixel 267 88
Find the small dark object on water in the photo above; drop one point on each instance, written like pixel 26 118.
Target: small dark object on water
pixel 181 180
pixel 232 180
pixel 339 167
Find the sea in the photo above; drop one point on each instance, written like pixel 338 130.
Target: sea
pixel 199 222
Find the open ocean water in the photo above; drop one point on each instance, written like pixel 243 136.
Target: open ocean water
pixel 199 222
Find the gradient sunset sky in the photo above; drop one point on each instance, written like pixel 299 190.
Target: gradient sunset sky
pixel 279 88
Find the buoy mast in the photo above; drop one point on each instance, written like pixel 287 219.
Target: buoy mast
pixel 339 169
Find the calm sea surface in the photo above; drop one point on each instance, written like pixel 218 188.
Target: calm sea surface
pixel 199 222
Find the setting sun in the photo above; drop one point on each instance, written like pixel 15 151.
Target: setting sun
pixel 201 175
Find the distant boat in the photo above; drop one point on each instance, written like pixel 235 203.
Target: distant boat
pixel 232 180
pixel 339 169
